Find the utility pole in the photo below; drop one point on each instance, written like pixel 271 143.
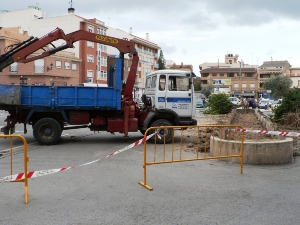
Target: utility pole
pixel 240 73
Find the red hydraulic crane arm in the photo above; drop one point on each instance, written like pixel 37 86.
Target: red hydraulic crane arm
pixel 22 51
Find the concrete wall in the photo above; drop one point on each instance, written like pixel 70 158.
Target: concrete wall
pixel 260 153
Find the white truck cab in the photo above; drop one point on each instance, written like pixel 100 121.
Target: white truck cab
pixel 170 93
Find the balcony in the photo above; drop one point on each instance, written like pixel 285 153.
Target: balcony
pixel 271 71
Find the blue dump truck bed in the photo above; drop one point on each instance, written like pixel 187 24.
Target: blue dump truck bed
pixel 54 97
pixel 65 97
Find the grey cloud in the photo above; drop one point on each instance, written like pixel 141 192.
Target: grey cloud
pixel 157 15
pixel 167 49
pixel 254 12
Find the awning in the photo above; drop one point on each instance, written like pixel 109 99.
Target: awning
pixel 247 94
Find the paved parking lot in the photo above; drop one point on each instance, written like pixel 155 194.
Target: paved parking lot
pixel 107 192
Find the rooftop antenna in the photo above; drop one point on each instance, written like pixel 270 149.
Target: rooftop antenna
pixel 71 4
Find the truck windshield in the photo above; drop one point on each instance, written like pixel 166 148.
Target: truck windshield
pixel 177 83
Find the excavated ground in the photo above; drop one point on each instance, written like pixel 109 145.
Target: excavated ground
pixel 245 119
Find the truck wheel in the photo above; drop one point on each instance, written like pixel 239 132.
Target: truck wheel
pixel 47 131
pixel 166 134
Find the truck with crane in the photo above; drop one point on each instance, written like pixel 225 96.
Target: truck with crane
pixel 168 99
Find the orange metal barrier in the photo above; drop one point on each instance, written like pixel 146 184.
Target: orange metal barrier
pixel 26 160
pixel 188 143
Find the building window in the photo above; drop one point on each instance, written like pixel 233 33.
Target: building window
pixel 214 74
pixel 91 29
pixel 252 85
pixel 13 67
pixel 23 80
pixel 244 85
pixel 58 64
pixel 74 66
pixel 103 61
pixel 101 31
pixel 90 44
pixel 230 74
pixel 236 85
pixel 222 74
pixel 90 73
pixel 249 74
pixel 67 65
pixel 90 58
pixel 103 48
pixel 102 75
pixel 39 66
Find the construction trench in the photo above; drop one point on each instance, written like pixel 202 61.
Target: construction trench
pixel 259 149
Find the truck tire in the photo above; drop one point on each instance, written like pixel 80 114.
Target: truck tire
pixel 165 138
pixel 47 131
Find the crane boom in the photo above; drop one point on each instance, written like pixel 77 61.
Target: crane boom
pixel 21 52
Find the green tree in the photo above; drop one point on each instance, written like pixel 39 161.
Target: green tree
pixel 218 104
pixel 161 61
pixel 197 86
pixel 290 103
pixel 207 90
pixel 279 86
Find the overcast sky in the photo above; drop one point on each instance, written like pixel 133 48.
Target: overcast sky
pixel 194 32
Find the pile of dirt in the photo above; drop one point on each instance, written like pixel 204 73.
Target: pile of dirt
pixel 245 118
pixel 290 121
pixel 250 121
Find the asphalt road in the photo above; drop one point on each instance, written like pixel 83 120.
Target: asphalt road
pixel 107 192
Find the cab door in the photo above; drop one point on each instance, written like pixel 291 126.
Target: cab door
pixel 160 100
pixel 179 95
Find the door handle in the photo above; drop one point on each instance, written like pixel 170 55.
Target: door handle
pixel 190 94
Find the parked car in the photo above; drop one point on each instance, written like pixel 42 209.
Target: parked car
pixel 276 103
pixel 234 100
pixel 200 104
pixel 263 103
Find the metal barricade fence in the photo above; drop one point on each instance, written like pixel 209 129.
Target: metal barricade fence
pixel 26 160
pixel 190 143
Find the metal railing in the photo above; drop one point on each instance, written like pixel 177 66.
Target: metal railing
pixel 26 160
pixel 191 143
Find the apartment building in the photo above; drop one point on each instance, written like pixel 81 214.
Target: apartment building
pixel 93 67
pixel 294 74
pixel 270 69
pixel 232 77
pixel 183 67
pixel 59 69
pixel 148 57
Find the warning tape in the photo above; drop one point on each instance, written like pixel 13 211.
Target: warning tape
pixel 40 173
pixel 279 133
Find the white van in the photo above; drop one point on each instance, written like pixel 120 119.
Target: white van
pixel 235 100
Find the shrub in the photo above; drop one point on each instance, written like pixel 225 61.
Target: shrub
pixel 290 103
pixel 218 104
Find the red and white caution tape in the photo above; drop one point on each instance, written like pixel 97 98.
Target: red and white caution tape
pixel 40 173
pixel 279 133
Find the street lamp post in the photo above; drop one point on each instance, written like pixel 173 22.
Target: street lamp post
pixel 240 73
